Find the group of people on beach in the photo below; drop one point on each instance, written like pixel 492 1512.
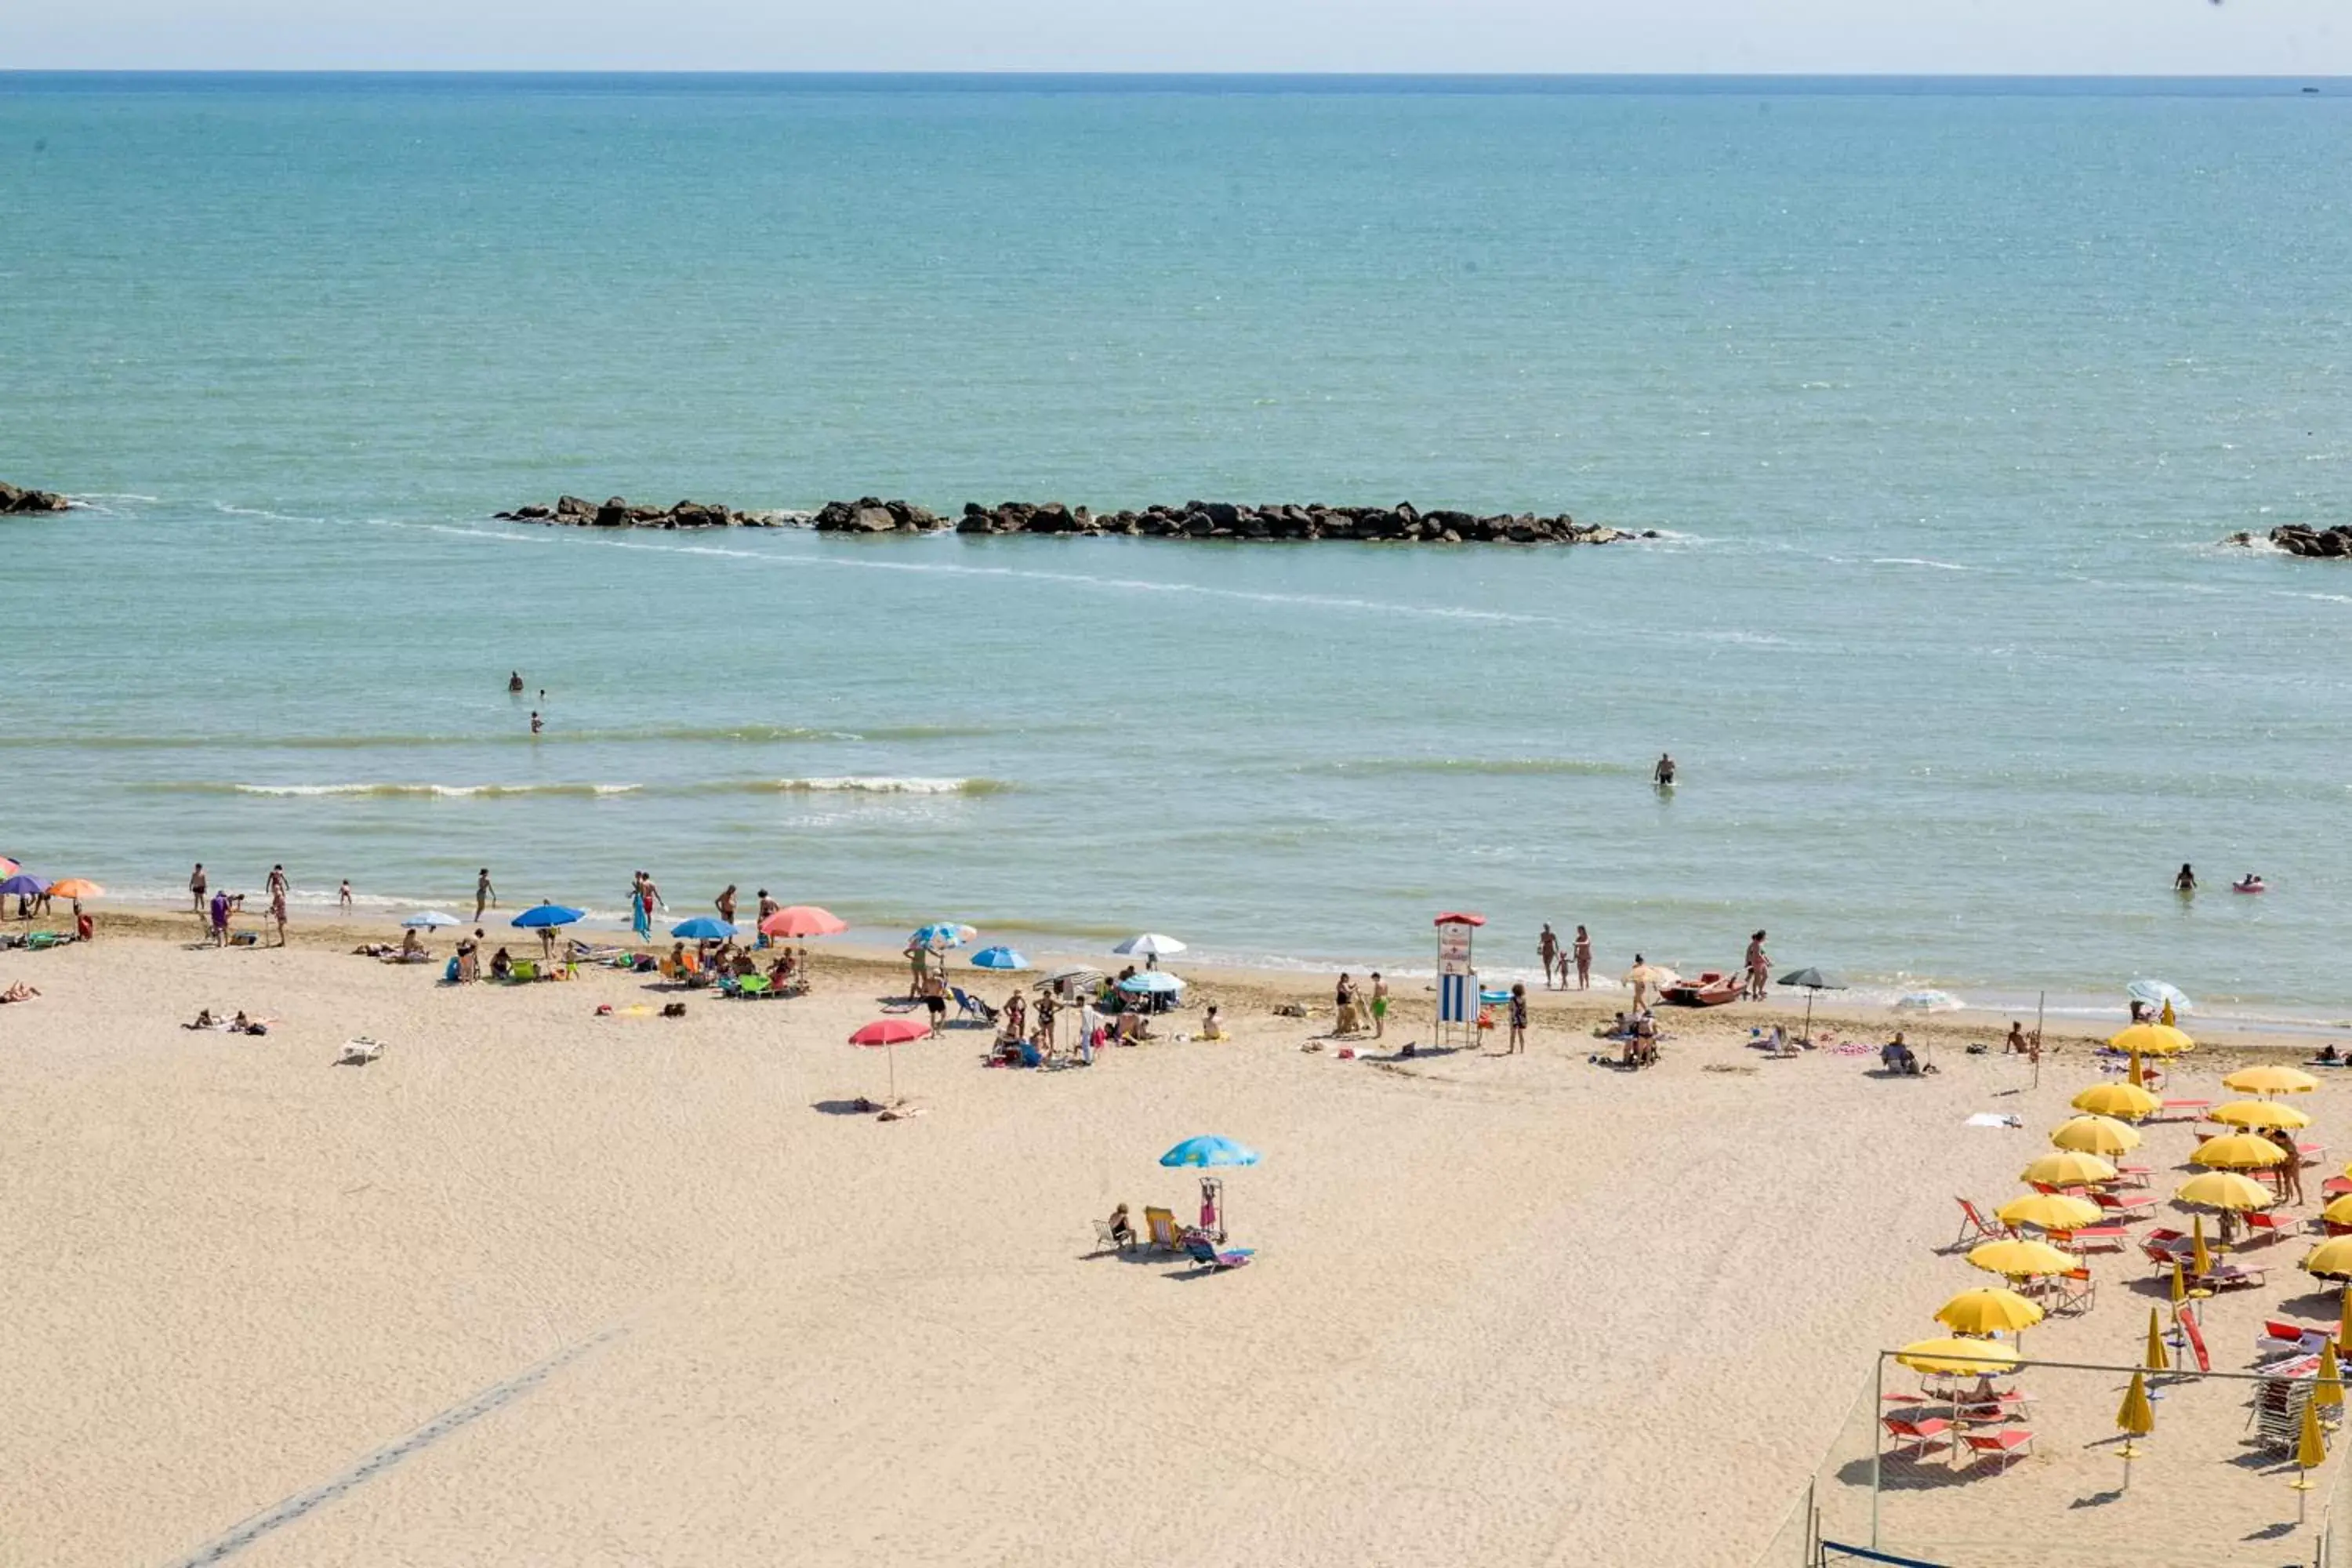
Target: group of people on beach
pixel 1557 959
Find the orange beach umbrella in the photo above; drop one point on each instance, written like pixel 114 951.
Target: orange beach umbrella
pixel 803 919
pixel 890 1034
pixel 75 888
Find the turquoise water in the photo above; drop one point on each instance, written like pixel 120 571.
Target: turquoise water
pixel 1941 399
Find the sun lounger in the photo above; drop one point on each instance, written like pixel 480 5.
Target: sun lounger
pixel 2280 1337
pixel 2006 1441
pixel 2196 1332
pixel 1918 1435
pixel 2133 1175
pixel 1975 1227
pixel 2226 1277
pixel 2181 1110
pixel 2115 1203
pixel 2268 1226
pixel 2090 1238
pixel 971 1006
pixel 1204 1251
pixel 359 1051
pixel 1159 1224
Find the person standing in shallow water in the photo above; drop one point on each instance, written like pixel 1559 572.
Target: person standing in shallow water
pixel 484 896
pixel 537 723
pixel 2186 881
pixel 1759 968
pixel 1548 955
pixel 514 683
pixel 196 887
pixel 1583 954
pixel 1662 775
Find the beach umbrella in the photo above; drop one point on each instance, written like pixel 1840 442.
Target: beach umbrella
pixel 2338 1210
pixel 2331 1260
pixel 2271 1080
pixel 1988 1310
pixel 803 920
pixel 1928 1002
pixel 1815 983
pixel 942 935
pixel 2199 1254
pixel 1151 983
pixel 2225 1190
pixel 2236 1152
pixel 2049 1210
pixel 2343 1320
pixel 1656 976
pixel 2095 1135
pixel 704 928
pixel 2067 1169
pixel 2021 1259
pixel 1210 1152
pixel 998 958
pixel 2310 1453
pixel 23 884
pixel 1151 944
pixel 2160 994
pixel 890 1033
pixel 2150 1040
pixel 542 915
pixel 2136 1418
pixel 2261 1113
pixel 2327 1393
pixel 8 868
pixel 75 888
pixel 2155 1360
pixel 2179 1287
pixel 1963 1357
pixel 430 919
pixel 2125 1101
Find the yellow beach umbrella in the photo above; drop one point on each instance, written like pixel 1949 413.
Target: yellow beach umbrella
pixel 2021 1259
pixel 2095 1135
pixel 2125 1101
pixel 2067 1169
pixel 2202 1255
pixel 2271 1080
pixel 1966 1357
pixel 2310 1453
pixel 2331 1260
pixel 2338 1210
pixel 2236 1152
pixel 1986 1312
pixel 2179 1287
pixel 2261 1113
pixel 2136 1418
pixel 2343 1320
pixel 2225 1190
pixel 2150 1040
pixel 2328 1392
pixel 2049 1210
pixel 2156 1360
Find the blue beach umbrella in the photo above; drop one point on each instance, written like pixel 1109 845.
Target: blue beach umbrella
pixel 430 919
pixel 1151 983
pixel 998 958
pixel 1210 1150
pixel 539 915
pixel 942 935
pixel 23 884
pixel 703 928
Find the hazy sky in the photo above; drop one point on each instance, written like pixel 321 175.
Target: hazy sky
pixel 2010 36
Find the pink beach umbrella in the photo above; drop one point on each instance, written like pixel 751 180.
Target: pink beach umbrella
pixel 890 1033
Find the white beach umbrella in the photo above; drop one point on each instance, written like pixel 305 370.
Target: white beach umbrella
pixel 2156 992
pixel 1151 944
pixel 1928 1002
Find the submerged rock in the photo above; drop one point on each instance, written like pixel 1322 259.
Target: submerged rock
pixel 13 499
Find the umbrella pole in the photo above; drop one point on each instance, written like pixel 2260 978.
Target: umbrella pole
pixel 1809 994
pixel 890 1054
pixel 2039 1002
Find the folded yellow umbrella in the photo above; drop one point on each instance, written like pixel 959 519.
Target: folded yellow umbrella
pixel 2271 1080
pixel 2330 1260
pixel 2310 1450
pixel 2343 1320
pixel 2137 1417
pixel 2328 1392
pixel 2156 1360
pixel 2127 1101
pixel 2261 1113
pixel 2238 1152
pixel 2067 1169
pixel 2225 1190
pixel 2202 1256
pixel 2021 1259
pixel 2179 1286
pixel 2049 1210
pixel 2095 1135
pixel 1988 1310
pixel 1966 1357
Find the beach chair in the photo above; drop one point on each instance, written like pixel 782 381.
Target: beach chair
pixel 2133 1175
pixel 2268 1226
pixel 1205 1252
pixel 2280 1337
pixel 2196 1332
pixel 2076 1291
pixel 1975 1227
pixel 524 968
pixel 2090 1238
pixel 1109 1241
pixel 971 1006
pixel 1159 1224
pixel 358 1051
pixel 2227 1276
pixel 2115 1203
pixel 1918 1435
pixel 2006 1441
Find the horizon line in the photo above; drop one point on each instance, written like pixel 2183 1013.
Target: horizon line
pixel 1021 73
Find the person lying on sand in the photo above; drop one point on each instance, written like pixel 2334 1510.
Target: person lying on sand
pixel 19 992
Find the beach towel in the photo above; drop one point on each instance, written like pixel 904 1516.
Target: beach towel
pixel 641 919
pixel 1993 1119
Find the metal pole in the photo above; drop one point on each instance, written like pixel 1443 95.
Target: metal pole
pixel 1877 1433
pixel 2039 1002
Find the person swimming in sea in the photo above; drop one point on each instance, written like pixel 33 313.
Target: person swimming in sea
pixel 514 683
pixel 2185 881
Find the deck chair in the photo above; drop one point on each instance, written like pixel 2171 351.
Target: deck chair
pixel 971 1006
pixel 2006 1441
pixel 2090 1238
pixel 1205 1252
pixel 358 1051
pixel 1159 1224
pixel 1975 1227
pixel 2115 1203
pixel 2076 1291
pixel 1109 1241
pixel 2268 1226
pixel 1918 1435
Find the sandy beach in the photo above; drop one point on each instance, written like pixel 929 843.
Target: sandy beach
pixel 542 1286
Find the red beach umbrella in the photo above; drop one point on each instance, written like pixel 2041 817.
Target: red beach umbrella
pixel 890 1033
pixel 804 919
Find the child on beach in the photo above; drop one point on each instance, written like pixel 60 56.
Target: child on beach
pixel 1518 1037
pixel 1379 1006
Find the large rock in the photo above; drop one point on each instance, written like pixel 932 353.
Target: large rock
pixel 2297 539
pixel 13 499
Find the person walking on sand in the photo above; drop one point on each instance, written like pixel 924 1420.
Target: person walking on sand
pixel 1518 1041
pixel 343 898
pixel 1548 954
pixel 725 904
pixel 1662 775
pixel 196 888
pixel 484 896
pixel 1379 1007
pixel 1759 968
pixel 278 914
pixel 1583 954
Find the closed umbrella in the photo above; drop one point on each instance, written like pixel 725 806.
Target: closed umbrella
pixel 803 920
pixel 2095 1135
pixel 2153 1359
pixel 890 1033
pixel 1814 982
pixel 998 958
pixel 2124 1101
pixel 2136 1420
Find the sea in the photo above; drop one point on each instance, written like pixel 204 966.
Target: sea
pixel 1934 402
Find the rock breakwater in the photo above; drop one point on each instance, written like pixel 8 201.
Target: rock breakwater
pixel 13 499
